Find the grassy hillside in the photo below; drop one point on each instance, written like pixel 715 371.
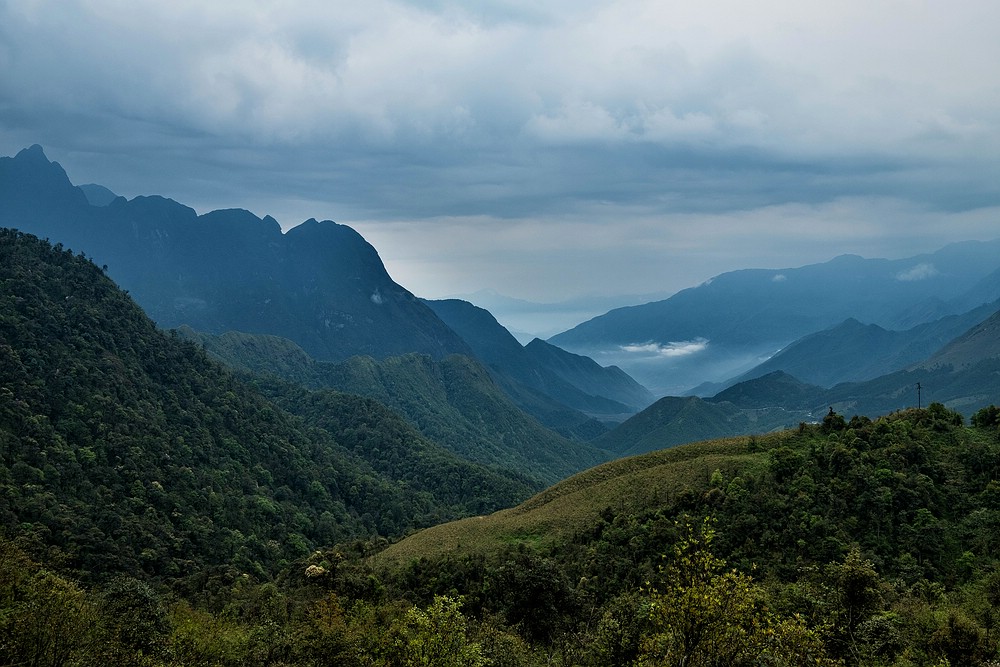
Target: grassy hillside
pixel 573 506
pixel 788 498
pixel 879 536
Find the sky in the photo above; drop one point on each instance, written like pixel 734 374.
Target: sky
pixel 544 150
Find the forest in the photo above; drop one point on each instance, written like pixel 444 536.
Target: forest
pixel 792 561
pixel 158 508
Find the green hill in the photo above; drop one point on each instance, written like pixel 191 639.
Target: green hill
pixel 782 500
pixel 674 420
pixel 454 402
pixel 123 448
pixel 879 535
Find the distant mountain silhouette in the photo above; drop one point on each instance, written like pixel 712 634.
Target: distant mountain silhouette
pixel 321 284
pixel 730 323
pixel 97 195
pixel 854 352
pixel 964 375
pixel 979 345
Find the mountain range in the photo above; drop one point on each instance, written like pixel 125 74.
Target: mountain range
pixel 320 284
pixel 759 349
pixel 126 448
pixel 733 322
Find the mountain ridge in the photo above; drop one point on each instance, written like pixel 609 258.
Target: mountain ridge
pixel 320 284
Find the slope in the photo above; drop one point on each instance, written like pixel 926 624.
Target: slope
pixel 911 490
pixel 453 402
pixel 573 380
pixel 123 448
pixel 831 356
pixel 673 421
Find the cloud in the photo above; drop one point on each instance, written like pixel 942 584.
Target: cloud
pixel 779 278
pixel 564 145
pixel 673 349
pixel 919 272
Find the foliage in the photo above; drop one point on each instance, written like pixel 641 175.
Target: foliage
pixel 125 449
pixel 703 614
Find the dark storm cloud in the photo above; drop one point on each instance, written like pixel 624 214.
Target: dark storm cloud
pixel 660 141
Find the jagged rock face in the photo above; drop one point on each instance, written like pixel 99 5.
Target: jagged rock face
pixel 321 284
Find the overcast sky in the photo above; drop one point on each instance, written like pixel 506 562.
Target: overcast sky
pixel 541 149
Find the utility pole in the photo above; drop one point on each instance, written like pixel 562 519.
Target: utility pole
pixel 918 396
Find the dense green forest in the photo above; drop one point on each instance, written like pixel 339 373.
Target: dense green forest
pixel 453 401
pixel 854 543
pixel 126 449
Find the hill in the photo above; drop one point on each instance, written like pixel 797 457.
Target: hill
pixel 822 513
pixel 453 402
pixel 321 284
pixel 905 492
pixel 673 421
pixel 127 449
pixel 980 344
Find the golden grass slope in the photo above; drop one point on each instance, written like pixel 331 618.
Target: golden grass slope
pixel 554 515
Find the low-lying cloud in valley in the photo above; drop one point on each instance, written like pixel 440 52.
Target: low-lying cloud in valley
pixel 674 349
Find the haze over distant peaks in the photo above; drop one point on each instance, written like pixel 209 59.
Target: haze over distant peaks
pixel 731 323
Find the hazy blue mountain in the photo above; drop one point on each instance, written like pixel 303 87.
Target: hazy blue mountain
pixel 321 284
pixel 964 375
pixel 853 352
pixel 734 321
pixel 97 195
pixel 589 377
pixel 979 345
pixel 570 379
pixel 984 291
pixel 527 320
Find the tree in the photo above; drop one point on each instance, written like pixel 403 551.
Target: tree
pixel 705 615
pixel 437 637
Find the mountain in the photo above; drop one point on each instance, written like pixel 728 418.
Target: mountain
pixel 572 380
pixel 97 195
pixel 321 284
pixel 527 320
pixel 963 375
pixel 734 321
pixel 453 402
pixel 979 345
pixel 126 449
pixel 590 378
pixel 673 421
pixel 852 351
pixel 457 403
